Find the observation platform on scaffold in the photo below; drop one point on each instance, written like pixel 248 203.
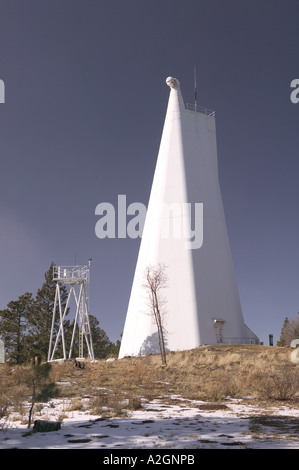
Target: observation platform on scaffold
pixel 71 274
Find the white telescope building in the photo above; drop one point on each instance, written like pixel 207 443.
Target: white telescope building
pixel 185 230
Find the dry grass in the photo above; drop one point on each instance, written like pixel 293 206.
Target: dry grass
pixel 206 373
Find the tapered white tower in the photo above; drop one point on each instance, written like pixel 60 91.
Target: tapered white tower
pixel 185 230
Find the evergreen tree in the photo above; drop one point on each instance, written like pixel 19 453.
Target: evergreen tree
pixel 289 331
pixel 25 325
pixel 42 388
pixel 102 346
pixel 14 328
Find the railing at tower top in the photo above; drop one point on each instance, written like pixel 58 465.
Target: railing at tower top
pixel 71 274
pixel 200 109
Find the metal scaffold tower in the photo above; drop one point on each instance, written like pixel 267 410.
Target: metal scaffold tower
pixel 76 278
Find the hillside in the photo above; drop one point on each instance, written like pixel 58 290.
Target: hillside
pixel 207 373
pixel 212 396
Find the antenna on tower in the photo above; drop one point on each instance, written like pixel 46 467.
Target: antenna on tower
pixel 195 89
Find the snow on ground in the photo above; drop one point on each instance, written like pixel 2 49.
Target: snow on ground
pixel 177 424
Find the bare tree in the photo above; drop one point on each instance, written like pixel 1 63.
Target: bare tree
pixel 155 281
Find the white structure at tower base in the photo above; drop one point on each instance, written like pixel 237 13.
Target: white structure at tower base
pixel 185 230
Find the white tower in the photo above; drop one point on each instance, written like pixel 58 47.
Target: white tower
pixel 77 279
pixel 185 230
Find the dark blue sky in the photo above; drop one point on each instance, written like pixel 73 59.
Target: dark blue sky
pixel 85 104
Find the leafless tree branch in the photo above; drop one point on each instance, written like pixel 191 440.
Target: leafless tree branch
pixel 156 280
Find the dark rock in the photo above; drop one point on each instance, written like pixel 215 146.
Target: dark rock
pixel 46 426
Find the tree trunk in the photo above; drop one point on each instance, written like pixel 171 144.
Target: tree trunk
pixel 32 404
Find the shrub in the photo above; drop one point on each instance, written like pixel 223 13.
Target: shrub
pixel 279 384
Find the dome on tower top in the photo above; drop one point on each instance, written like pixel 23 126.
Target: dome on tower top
pixel 172 82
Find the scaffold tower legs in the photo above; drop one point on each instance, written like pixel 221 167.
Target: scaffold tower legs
pixel 77 279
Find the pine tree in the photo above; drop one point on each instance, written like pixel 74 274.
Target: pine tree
pixel 25 325
pixel 102 345
pixel 289 331
pixel 42 388
pixel 14 328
